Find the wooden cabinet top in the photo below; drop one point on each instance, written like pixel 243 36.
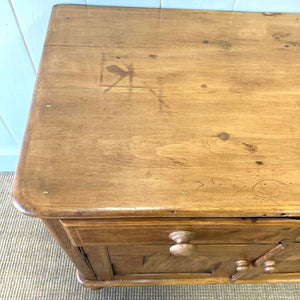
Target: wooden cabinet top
pixel 149 112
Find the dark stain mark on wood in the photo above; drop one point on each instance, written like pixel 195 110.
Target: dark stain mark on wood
pixel 118 57
pixel 114 69
pixel 117 71
pixel 224 136
pixel 271 14
pixel 153 56
pixel 204 86
pixel 162 103
pixel 284 37
pixel 102 67
pixel 158 96
pixel 280 36
pixel 267 188
pixel 201 184
pixel 251 148
pixel 176 162
pixel 144 259
pixel 212 180
pixel 259 162
pixel 131 74
pixel 224 44
pixel 286 228
pixel 294 44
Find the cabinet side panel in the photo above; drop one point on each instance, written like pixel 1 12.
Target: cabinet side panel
pixel 73 253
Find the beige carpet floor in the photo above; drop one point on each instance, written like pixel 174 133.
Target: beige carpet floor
pixel 32 266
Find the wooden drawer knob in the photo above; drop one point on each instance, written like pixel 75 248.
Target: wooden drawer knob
pixel 242 265
pixel 270 266
pixel 182 239
pixel 183 249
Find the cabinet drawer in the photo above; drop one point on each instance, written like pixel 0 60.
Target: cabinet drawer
pixel 207 231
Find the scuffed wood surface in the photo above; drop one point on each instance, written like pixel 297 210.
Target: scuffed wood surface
pixel 147 112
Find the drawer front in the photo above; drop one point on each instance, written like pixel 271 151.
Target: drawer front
pixel 206 231
pixel 288 261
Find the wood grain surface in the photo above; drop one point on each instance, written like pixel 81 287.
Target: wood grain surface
pixel 151 264
pixel 157 230
pixel 157 259
pixel 148 112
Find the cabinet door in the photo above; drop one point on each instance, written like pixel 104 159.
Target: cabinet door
pixel 281 260
pixel 288 261
pixel 157 259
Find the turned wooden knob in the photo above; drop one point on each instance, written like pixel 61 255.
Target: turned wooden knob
pixel 183 249
pixel 182 239
pixel 270 266
pixel 242 265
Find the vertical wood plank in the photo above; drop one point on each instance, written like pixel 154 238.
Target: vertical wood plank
pixel 61 237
